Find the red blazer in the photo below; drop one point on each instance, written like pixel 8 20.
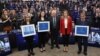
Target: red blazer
pixel 69 26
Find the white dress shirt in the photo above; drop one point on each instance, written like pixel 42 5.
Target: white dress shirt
pixel 66 22
pixel 28 23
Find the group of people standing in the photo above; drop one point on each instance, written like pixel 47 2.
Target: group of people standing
pixel 62 15
pixel 59 25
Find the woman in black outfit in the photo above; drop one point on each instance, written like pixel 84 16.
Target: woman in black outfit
pixel 29 39
pixel 82 40
pixel 42 35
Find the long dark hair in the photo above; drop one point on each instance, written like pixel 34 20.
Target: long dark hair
pixel 40 14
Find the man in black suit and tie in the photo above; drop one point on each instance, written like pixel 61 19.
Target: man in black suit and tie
pixel 54 27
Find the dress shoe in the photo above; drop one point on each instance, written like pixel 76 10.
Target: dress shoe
pixel 79 52
pixel 33 53
pixel 52 47
pixel 29 54
pixel 41 50
pixel 44 49
pixel 65 49
pixel 58 47
pixel 85 53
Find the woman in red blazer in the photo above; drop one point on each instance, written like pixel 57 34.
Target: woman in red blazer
pixel 65 28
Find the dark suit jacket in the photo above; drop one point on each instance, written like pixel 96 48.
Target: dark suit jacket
pixel 96 22
pixel 42 33
pixel 29 39
pixel 79 22
pixel 39 19
pixel 57 26
pixel 45 19
pixel 85 23
pixel 24 23
pixel 32 21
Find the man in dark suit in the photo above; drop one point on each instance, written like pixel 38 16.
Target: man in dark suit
pixel 54 26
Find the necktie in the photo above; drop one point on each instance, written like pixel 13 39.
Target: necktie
pixel 54 21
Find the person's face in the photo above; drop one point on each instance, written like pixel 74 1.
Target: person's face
pixel 75 7
pixel 5 13
pixel 25 10
pixel 53 13
pixel 42 14
pixel 27 19
pixel 97 12
pixel 31 10
pixel 13 11
pixel 82 16
pixel 65 13
pixel 60 0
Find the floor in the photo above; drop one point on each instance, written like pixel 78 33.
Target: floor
pixel 92 51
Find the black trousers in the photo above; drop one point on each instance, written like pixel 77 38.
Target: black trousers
pixel 42 39
pixel 29 44
pixel 30 47
pixel 84 41
pixel 54 38
pixel 65 40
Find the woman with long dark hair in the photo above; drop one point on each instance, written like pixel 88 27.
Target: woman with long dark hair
pixel 42 35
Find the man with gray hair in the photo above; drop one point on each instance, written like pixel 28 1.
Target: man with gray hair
pixel 54 26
